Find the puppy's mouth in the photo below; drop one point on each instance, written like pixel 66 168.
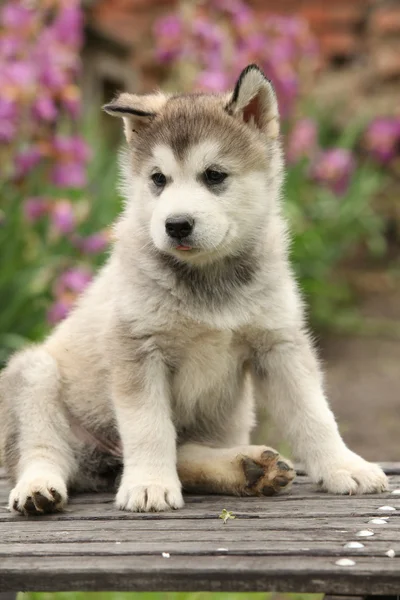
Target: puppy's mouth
pixel 183 247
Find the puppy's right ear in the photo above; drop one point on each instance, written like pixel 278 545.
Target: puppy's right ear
pixel 136 111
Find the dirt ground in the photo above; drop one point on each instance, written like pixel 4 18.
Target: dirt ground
pixel 362 375
pixel 363 382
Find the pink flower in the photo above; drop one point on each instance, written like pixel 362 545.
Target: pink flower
pixel 8 115
pixel 93 244
pixel 58 311
pixel 51 76
pixel 72 147
pixel 214 81
pixel 68 25
pixel 26 160
pixel 45 109
pixel 334 168
pixel 21 73
pixel 169 26
pixel 35 208
pixel 15 16
pixel 74 280
pixel 62 216
pixel 69 175
pixel 382 138
pixel 10 44
pixel 302 140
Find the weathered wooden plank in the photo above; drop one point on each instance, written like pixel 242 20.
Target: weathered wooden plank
pixel 209 524
pixel 197 548
pixel 119 532
pixel 93 514
pixel 216 573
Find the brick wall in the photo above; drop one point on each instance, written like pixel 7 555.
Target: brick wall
pixel 365 33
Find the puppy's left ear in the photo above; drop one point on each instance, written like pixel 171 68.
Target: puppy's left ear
pixel 254 101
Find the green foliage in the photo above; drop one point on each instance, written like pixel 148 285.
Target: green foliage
pixel 164 596
pixel 34 255
pixel 325 230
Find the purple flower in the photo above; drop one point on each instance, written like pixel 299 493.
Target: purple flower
pixel 10 44
pixel 382 138
pixel 214 81
pixel 72 147
pixel 334 168
pixel 69 175
pixel 8 114
pixel 93 244
pixel 26 160
pixel 51 76
pixel 169 26
pixel 67 26
pixel 302 140
pixel 35 208
pixel 74 280
pixel 45 109
pixel 62 216
pixel 71 100
pixel 16 16
pixel 20 73
pixel 58 311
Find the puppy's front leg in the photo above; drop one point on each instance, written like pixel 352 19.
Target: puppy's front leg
pixel 287 373
pixel 142 403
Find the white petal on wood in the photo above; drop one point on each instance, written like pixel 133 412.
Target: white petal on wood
pixel 355 545
pixel 165 554
pixel 378 521
pixel 387 508
pixel 396 492
pixel 345 562
pixel 365 533
pixel 390 553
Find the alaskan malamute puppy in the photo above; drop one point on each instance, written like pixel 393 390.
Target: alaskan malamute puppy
pixel 195 316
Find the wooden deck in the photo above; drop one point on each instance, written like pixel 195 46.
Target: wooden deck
pixel 289 543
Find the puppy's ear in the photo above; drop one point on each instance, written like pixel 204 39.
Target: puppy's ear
pixel 136 111
pixel 254 101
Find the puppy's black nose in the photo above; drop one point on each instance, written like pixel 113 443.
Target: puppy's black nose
pixel 179 227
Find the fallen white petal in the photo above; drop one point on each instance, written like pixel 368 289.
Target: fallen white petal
pixel 386 508
pixel 390 553
pixel 165 555
pixel 378 521
pixel 354 545
pixel 117 542
pixel 396 492
pixel 365 533
pixel 345 562
pixel 222 549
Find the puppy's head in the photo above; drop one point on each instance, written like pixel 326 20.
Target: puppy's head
pixel 203 170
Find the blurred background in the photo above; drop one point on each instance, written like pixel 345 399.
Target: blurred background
pixel 336 69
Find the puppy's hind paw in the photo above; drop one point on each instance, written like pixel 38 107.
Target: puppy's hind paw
pixel 265 472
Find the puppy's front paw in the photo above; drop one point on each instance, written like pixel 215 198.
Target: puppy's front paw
pixel 354 475
pixel 152 497
pixel 38 495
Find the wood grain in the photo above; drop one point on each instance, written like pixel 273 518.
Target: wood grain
pixel 288 543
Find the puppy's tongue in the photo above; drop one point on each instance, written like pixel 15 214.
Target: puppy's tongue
pixel 183 247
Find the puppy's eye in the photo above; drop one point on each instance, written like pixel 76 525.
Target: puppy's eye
pixel 159 179
pixel 213 177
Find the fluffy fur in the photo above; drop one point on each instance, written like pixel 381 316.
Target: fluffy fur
pixel 154 374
